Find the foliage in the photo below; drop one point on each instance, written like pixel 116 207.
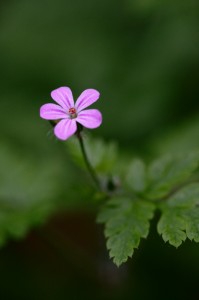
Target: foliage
pixel 103 162
pixel 136 193
pixel 127 221
pixel 170 171
pixel 35 194
pixel 143 57
pixel 180 216
pixel 147 94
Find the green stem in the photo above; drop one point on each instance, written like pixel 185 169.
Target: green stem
pixel 87 162
pixel 89 166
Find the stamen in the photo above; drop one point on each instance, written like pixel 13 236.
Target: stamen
pixel 72 112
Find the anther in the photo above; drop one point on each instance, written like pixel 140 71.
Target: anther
pixel 72 112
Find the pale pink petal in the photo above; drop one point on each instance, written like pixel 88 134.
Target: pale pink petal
pixel 64 97
pixel 65 128
pixel 86 98
pixel 90 118
pixel 52 112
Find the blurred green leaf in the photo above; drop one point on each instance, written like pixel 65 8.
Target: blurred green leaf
pixel 166 173
pixel 34 187
pixel 182 137
pixel 186 197
pixel 16 222
pixel 27 192
pixel 126 222
pixel 103 156
pixel 136 178
pixel 180 216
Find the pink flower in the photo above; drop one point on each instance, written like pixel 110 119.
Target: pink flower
pixel 69 113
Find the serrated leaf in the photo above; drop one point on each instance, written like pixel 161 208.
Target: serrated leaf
pixel 171 226
pixel 180 216
pixel 135 178
pixel 192 226
pixel 166 173
pixel 126 222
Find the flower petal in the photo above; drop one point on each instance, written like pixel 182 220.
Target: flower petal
pixel 65 128
pixel 52 112
pixel 86 98
pixel 90 118
pixel 64 97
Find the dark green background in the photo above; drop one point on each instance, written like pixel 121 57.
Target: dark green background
pixel 143 57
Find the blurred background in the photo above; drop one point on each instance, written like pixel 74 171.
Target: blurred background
pixel 143 57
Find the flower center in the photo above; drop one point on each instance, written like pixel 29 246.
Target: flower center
pixel 73 113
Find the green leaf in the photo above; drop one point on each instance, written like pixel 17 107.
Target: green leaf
pixel 135 178
pixel 27 193
pixel 180 216
pixel 103 156
pixel 16 222
pixel 186 197
pixel 170 171
pixel 31 190
pixel 126 222
pixel 192 225
pixel 171 226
